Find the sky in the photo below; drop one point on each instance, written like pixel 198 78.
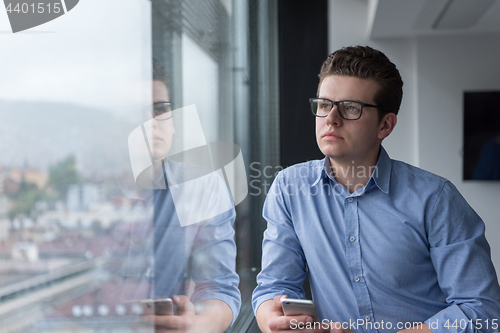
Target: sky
pixel 95 55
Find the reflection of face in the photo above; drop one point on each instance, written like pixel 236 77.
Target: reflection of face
pixel 162 130
pixel 343 140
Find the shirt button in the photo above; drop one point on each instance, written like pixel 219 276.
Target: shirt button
pixel 367 318
pixel 350 199
pixel 356 279
pixel 352 238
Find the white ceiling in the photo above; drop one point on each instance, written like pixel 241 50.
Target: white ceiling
pixel 405 18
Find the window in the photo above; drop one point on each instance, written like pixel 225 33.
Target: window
pixel 71 210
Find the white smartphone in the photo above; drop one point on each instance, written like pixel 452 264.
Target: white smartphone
pixel 298 307
pixel 162 306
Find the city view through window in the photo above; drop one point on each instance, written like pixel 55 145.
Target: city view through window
pixel 78 229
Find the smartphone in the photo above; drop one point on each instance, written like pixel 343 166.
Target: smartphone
pixel 162 306
pixel 297 307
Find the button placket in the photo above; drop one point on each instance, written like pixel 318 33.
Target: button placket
pixel 354 259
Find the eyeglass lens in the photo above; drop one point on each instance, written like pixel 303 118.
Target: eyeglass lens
pixel 347 109
pixel 162 111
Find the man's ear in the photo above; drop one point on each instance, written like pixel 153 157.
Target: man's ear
pixel 386 125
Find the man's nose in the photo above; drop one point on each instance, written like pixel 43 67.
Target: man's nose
pixel 334 117
pixel 154 123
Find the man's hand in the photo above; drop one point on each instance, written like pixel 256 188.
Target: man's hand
pixel 183 321
pixel 214 316
pixel 271 319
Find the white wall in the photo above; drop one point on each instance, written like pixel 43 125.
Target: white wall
pixel 436 71
pixel 343 31
pixel 448 65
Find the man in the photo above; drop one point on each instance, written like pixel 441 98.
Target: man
pixel 386 245
pixel 193 264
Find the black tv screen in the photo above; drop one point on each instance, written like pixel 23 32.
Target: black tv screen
pixel 481 135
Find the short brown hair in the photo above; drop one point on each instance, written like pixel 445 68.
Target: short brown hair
pixel 365 62
pixel 160 74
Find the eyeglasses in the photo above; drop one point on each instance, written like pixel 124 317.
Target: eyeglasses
pixel 349 110
pixel 162 110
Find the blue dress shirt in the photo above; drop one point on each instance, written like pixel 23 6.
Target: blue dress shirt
pixel 405 248
pixel 203 252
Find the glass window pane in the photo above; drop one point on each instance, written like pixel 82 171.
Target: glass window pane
pixel 91 184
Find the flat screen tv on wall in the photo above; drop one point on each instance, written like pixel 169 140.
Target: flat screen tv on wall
pixel 481 136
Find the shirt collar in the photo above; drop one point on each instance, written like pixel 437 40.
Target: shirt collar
pixel 323 171
pixel 167 167
pixel 381 175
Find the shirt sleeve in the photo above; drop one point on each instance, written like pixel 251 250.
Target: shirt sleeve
pixel 283 262
pixel 214 254
pixel 461 257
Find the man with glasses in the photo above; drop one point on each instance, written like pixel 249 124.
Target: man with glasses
pixel 187 251
pixel 387 246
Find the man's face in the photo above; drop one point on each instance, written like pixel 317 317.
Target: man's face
pixel 162 130
pixel 347 141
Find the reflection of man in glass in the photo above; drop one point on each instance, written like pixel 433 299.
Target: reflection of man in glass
pixel 163 127
pixel 194 265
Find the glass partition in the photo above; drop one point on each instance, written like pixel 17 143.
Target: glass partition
pixel 222 57
pixel 90 141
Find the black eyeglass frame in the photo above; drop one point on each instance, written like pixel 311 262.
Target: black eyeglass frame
pixel 165 102
pixel 336 103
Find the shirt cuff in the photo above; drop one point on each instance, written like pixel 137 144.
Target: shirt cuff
pixel 256 302
pixel 234 304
